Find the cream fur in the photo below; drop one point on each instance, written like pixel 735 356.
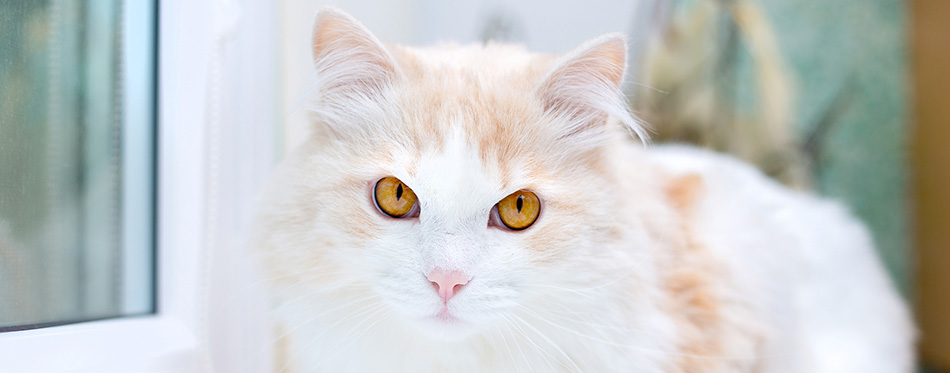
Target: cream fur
pixel 649 260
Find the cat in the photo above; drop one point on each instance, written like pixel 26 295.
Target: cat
pixel 484 208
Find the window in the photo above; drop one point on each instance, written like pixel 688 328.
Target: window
pixel 107 54
pixel 181 191
pixel 76 163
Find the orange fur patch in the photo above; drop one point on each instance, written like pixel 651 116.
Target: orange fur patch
pixel 690 282
pixel 281 351
pixel 491 106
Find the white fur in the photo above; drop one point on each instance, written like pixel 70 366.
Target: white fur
pixel 583 289
pixel 807 264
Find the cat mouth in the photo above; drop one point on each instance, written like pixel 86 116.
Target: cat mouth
pixel 446 325
pixel 445 316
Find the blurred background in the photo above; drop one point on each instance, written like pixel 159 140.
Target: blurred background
pixel 847 98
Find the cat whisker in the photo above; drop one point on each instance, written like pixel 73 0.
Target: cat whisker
pixel 573 291
pixel 511 356
pixel 551 342
pixel 377 311
pixel 313 318
pixel 544 354
pixel 653 351
pixel 578 333
pixel 634 269
pixel 505 333
pixel 354 315
pixel 511 327
pixel 583 322
pixel 325 290
pixel 581 291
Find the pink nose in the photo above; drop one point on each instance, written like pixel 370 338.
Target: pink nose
pixel 447 283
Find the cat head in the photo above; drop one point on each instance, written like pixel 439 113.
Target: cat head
pixel 448 186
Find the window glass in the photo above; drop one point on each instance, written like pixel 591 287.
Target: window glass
pixel 76 169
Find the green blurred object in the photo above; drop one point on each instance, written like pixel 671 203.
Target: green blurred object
pixel 814 93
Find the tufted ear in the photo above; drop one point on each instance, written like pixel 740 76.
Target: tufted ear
pixel 584 85
pixel 349 60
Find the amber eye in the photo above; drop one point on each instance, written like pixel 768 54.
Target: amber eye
pixel 393 197
pixel 519 210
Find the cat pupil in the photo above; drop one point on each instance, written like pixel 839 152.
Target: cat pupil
pixel 399 192
pixel 520 203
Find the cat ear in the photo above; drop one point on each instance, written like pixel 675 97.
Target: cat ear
pixel 584 85
pixel 349 60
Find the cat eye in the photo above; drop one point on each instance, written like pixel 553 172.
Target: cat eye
pixel 519 209
pixel 393 197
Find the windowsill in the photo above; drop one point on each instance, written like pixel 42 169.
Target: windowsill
pixel 150 343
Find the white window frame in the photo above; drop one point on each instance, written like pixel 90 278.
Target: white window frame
pixel 200 48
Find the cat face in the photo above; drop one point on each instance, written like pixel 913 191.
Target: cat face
pixel 445 188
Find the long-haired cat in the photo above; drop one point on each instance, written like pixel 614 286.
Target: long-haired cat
pixel 482 208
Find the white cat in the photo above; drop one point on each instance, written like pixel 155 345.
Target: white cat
pixel 478 208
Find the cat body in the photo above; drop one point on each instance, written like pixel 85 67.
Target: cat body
pixel 647 259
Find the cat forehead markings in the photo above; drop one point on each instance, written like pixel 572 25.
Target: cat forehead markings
pixel 486 92
pixel 452 178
